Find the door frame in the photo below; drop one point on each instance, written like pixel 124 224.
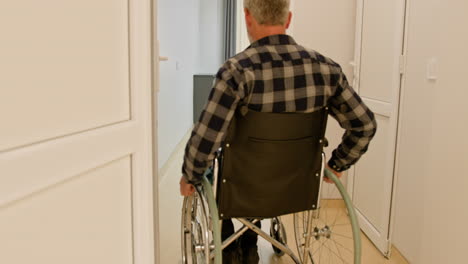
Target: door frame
pixel 399 125
pixel 356 74
pixel 154 98
pixel 145 197
pixel 401 37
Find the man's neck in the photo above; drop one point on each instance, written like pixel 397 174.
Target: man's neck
pixel 269 31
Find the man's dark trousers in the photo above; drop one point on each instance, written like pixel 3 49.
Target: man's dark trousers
pixel 242 251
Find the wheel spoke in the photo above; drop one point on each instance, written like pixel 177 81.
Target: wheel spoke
pixel 334 253
pixel 338 249
pixel 344 224
pixel 345 248
pixel 333 230
pixel 318 248
pixel 197 230
pixel 341 235
pixel 337 216
pixel 329 256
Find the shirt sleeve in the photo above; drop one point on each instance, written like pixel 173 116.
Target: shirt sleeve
pixel 356 118
pixel 210 131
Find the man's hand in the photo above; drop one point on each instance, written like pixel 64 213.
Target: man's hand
pixel 186 189
pixel 338 174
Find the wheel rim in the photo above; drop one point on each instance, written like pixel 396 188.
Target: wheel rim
pixel 196 234
pixel 332 232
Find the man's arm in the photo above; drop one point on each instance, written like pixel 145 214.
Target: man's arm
pixel 357 119
pixel 210 131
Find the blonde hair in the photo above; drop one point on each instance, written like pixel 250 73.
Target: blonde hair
pixel 269 12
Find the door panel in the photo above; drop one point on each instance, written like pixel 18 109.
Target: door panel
pixel 380 41
pixel 28 170
pixel 378 44
pixel 76 176
pixel 64 68
pixel 86 219
pixel 375 162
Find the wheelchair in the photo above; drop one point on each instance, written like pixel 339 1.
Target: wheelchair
pixel 272 165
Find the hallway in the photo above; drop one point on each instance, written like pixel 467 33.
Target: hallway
pixel 97 98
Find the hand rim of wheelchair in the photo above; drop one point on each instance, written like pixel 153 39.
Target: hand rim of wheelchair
pixel 193 240
pixel 216 234
pixel 326 231
pixel 211 223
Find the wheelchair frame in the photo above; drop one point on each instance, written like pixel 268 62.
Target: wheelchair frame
pixel 207 191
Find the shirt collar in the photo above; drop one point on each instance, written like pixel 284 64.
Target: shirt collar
pixel 274 40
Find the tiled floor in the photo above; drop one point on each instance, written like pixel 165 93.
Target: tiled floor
pixel 170 204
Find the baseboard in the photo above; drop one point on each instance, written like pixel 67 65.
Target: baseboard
pixel 173 157
pixel 396 255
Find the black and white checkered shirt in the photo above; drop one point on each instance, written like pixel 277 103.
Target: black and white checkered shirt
pixel 275 74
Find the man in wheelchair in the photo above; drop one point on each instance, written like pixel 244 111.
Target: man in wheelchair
pixel 274 75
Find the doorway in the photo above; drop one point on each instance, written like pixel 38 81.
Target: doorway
pixel 380 59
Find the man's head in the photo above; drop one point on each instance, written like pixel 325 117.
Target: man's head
pixel 266 17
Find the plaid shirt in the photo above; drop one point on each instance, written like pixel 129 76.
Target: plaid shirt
pixel 275 74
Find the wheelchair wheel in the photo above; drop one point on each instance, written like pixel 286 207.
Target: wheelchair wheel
pixel 335 234
pixel 278 232
pixel 196 232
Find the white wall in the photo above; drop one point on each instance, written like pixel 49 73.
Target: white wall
pixel 242 38
pixel 329 28
pixel 178 29
pixel 211 36
pixel 190 34
pixel 415 137
pixel 431 195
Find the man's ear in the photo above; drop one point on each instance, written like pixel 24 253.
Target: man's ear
pixel 288 22
pixel 248 17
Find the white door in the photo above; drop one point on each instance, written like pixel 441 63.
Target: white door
pixel 75 132
pixel 379 61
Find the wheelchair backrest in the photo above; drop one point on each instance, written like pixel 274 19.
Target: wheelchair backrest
pixel 271 164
